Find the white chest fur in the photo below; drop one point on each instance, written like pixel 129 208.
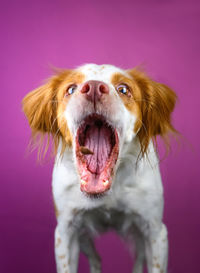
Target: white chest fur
pixel 136 188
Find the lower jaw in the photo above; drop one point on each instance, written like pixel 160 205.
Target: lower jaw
pixel 97 184
pixel 93 184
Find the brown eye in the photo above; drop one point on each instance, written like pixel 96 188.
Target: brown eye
pixel 123 88
pixel 71 89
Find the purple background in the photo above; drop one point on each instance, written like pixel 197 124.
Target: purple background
pixel 165 37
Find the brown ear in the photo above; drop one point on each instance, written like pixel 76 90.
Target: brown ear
pixel 40 108
pixel 157 104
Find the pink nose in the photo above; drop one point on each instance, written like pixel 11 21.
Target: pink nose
pixel 93 90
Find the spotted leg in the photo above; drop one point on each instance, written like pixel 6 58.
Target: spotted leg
pixel 156 248
pixel 66 249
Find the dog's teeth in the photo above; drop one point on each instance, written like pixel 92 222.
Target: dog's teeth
pixel 106 183
pixel 83 182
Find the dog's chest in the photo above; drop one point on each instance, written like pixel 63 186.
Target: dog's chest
pixel 101 219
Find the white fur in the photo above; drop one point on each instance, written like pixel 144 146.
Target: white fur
pixel 134 204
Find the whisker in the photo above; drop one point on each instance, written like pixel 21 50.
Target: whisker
pixel 59 127
pixel 143 125
pixel 57 101
pixel 142 100
pixel 57 116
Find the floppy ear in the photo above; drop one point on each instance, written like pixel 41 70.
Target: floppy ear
pixel 40 107
pixel 157 104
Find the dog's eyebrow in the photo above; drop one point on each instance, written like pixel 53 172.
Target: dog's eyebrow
pixel 119 77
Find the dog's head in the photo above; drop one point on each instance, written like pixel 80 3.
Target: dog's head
pixel 95 110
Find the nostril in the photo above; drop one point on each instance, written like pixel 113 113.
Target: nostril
pixel 103 88
pixel 86 88
pixel 94 90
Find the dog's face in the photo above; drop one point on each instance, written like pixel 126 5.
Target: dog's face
pixel 101 116
pixel 96 109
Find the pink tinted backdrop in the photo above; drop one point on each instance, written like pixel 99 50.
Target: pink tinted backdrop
pixel 164 36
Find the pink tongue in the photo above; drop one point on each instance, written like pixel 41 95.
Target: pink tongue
pixel 98 141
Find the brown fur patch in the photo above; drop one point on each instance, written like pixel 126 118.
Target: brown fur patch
pixel 157 265
pixel 158 102
pixel 58 242
pixel 61 257
pixel 73 78
pixel 131 101
pixel 151 102
pixel 45 105
pixel 56 209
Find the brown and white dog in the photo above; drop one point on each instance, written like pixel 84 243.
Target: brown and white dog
pixel 103 121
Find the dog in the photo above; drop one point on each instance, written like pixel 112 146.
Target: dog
pixel 104 122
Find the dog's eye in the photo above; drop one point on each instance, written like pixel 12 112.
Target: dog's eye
pixel 122 88
pixel 71 89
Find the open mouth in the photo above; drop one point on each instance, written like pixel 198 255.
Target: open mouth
pixel 97 148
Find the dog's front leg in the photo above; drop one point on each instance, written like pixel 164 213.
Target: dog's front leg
pixel 156 248
pixel 88 248
pixel 66 248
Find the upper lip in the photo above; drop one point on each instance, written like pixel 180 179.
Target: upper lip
pixel 94 115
